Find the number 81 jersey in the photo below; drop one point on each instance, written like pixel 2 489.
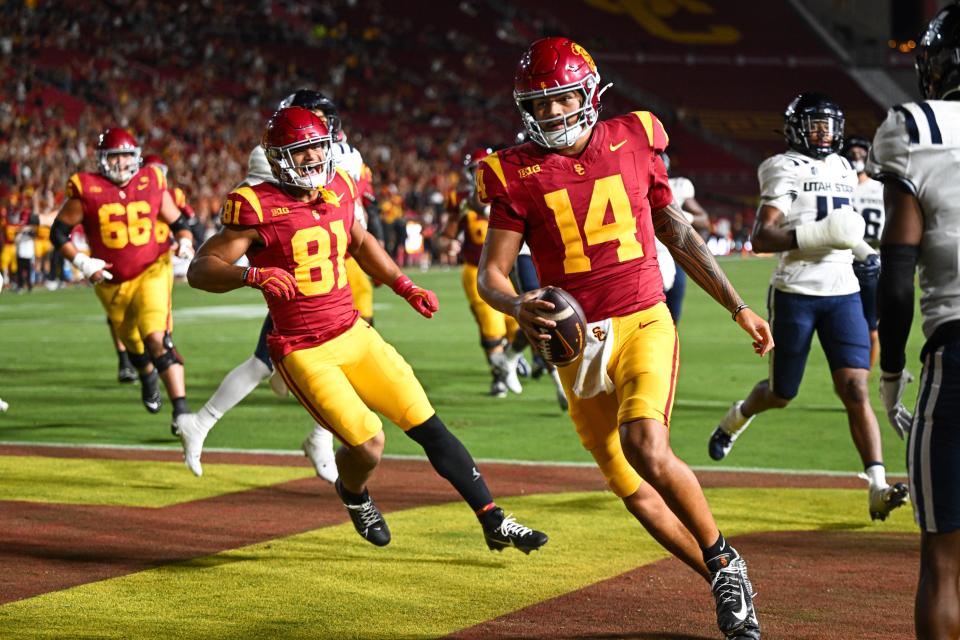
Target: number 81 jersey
pixel 121 222
pixel 587 218
pixel 310 241
pixel 807 190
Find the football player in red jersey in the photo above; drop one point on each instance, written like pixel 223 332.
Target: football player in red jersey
pixel 120 209
pixel 296 234
pixel 468 220
pixel 588 197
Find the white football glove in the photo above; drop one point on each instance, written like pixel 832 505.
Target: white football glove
pixel 89 266
pixel 185 248
pixel 842 229
pixel 892 386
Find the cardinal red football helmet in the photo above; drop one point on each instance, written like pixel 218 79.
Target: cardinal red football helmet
pixel 550 67
pixel 294 129
pixel 114 142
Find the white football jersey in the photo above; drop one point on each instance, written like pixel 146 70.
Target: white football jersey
pixel 682 190
pixel 868 202
pixel 918 145
pixel 806 190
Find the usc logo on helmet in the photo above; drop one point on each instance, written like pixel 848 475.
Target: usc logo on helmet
pixel 580 51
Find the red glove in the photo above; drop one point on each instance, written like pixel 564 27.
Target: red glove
pixel 423 301
pixel 274 282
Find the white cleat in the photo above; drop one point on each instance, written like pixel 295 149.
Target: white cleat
pixel 192 436
pixel 318 447
pixel 505 369
pixel 278 386
pixel 3 405
pixel 883 500
pixel 561 395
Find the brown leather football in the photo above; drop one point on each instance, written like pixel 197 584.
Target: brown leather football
pixel 569 337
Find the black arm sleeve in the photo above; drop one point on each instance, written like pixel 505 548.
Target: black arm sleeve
pixel 60 233
pixel 180 224
pixel 895 303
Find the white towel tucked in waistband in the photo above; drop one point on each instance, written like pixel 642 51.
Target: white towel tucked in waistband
pixel 592 377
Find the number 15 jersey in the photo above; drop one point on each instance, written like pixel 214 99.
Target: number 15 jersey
pixel 587 218
pixel 807 190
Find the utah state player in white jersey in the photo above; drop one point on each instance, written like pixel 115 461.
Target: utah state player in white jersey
pixel 805 215
pixel 868 202
pixel 915 155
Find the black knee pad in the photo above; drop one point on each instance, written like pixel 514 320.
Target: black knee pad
pixel 166 360
pixel 139 360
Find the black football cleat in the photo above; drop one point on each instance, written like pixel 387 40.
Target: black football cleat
pixel 510 533
pixel 150 392
pixel 366 517
pixel 733 593
pixel 126 374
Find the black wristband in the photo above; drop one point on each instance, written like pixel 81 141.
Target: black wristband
pixel 243 276
pixel 740 307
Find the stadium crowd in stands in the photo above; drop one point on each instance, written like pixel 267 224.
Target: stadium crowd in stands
pixel 196 83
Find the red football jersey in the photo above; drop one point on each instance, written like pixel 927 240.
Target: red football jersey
pixel 587 218
pixel 121 222
pixel 309 240
pixel 474 228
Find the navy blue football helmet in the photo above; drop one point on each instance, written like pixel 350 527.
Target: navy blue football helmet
pixel 938 55
pixel 798 123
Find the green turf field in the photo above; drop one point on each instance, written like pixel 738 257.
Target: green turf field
pixel 58 374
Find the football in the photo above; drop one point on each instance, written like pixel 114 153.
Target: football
pixel 569 337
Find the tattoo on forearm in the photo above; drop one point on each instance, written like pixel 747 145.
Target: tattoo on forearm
pixel 691 252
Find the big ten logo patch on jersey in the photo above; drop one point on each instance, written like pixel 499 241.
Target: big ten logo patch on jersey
pixel 279 211
pixel 529 171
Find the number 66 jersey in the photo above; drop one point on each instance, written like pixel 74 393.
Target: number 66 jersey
pixel 587 218
pixel 807 190
pixel 310 241
pixel 121 222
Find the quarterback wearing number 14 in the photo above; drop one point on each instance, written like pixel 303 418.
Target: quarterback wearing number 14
pixel 588 198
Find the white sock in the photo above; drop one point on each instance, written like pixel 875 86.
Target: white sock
pixel 235 386
pixel 555 376
pixel 512 356
pixel 876 475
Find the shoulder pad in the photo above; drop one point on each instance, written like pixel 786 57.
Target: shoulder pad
pixel 491 181
pixel 161 179
pixel 74 186
pixel 889 156
pixel 778 177
pixel 656 135
pixel 242 207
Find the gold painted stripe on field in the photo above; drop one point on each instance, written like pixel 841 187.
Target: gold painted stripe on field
pixel 132 483
pixel 436 577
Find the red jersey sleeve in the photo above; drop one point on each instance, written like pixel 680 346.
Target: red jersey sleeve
pixel 659 193
pixel 242 208
pixel 74 186
pixel 492 190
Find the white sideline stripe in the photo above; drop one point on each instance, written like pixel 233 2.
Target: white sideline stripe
pixel 395 456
